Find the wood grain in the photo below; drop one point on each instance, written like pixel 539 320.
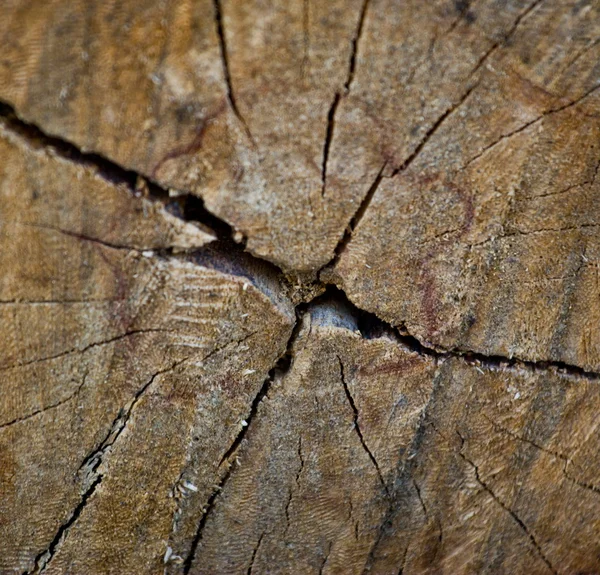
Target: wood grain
pixel 299 287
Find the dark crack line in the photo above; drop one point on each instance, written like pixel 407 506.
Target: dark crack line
pixel 226 70
pixel 355 220
pixel 77 236
pixel 369 323
pixel 297 483
pixel 325 559
pixel 529 124
pixel 93 463
pixel 187 207
pixel 328 137
pixel 403 562
pixel 45 408
pixel 419 496
pixel 498 44
pixel 339 94
pixel 254 553
pixel 283 365
pixel 434 128
pixel 83 349
pixel 355 45
pixel 44 557
pixel 357 427
pixel 508 510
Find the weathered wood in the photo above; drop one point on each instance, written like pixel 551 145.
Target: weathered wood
pixel 299 287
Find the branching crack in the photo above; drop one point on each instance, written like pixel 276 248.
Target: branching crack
pixel 226 71
pixel 357 427
pixel 508 510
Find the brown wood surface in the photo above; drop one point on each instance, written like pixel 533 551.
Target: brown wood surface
pixel 299 287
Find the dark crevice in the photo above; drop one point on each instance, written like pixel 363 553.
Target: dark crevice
pixel 434 128
pixel 226 70
pixel 90 464
pixel 184 206
pixel 512 513
pixel 91 477
pixel 357 426
pixel 338 95
pixel 328 138
pixel 187 564
pixel 420 497
pixel 403 562
pixel 282 366
pixel 355 43
pixel 43 558
pixel 322 567
pixel 35 137
pixel 254 553
pixel 355 221
pixel 371 327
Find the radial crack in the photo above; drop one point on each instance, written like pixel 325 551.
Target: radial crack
pixel 338 95
pixel 226 70
pixel 508 510
pixel 433 129
pixel 357 426
pixel 92 477
pixel 283 364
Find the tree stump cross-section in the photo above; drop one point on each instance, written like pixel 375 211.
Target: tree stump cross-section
pixel 299 287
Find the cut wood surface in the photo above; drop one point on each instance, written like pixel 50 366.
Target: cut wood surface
pixel 299 287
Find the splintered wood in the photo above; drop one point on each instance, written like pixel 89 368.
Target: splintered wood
pixel 299 287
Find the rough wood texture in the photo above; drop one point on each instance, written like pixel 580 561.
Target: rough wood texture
pixel 299 287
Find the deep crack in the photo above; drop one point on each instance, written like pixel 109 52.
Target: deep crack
pixel 282 365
